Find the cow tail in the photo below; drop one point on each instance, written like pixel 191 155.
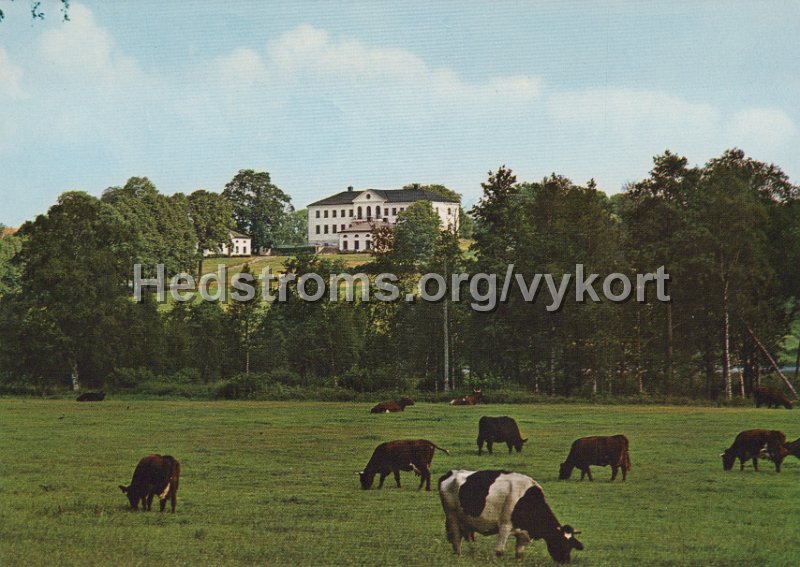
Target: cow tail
pixel 444 450
pixel 627 458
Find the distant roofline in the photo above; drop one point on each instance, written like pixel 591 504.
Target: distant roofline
pixel 391 196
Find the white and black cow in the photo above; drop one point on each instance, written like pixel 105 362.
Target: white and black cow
pixel 506 504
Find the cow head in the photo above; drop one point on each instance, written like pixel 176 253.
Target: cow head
pixel 565 471
pixel 518 444
pixel 728 458
pixel 562 542
pixel 133 498
pixel 403 402
pixel 366 479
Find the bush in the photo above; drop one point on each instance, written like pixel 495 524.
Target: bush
pixel 374 379
pixel 242 387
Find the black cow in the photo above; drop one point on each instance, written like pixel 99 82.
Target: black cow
pixel 755 443
pixel 600 451
pixel 503 503
pixel 395 456
pixel 771 397
pixel 793 448
pixel 91 397
pixel 499 430
pixel 154 475
pixel 392 406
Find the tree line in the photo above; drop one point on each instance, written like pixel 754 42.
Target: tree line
pixel 728 233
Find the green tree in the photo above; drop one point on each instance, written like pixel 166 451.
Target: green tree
pixel 10 246
pixel 212 217
pixel 161 228
pixel 74 266
pixel 415 236
pixel 245 319
pixel 293 231
pixel 259 206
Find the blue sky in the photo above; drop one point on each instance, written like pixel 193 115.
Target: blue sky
pixel 326 95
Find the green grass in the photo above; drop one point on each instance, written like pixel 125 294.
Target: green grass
pixel 272 483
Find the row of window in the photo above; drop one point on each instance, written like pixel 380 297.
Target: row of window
pixel 360 212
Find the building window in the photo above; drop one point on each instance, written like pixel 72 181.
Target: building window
pixel 394 211
pixel 342 215
pixel 325 214
pixel 326 229
pixel 369 212
pixel 366 245
pixel 448 210
pixel 334 212
pixel 351 213
pixel 377 210
pixel 369 196
pixel 317 227
pixel 317 214
pixel 342 228
pixel 359 212
pixel 356 245
pixel 334 229
pixel 237 249
pixel 344 245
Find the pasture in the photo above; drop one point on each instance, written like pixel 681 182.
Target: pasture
pixel 273 483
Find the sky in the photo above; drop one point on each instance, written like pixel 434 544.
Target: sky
pixel 324 95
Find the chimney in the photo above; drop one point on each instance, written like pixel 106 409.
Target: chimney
pixel 350 188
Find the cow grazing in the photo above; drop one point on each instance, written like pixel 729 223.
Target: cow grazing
pixel 755 443
pixel 91 397
pixel 771 397
pixel 598 451
pixel 499 430
pixel 154 475
pixel 395 456
pixel 506 504
pixel 793 448
pixel 392 406
pixel 470 400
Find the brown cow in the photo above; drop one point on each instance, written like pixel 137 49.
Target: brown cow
pixel 154 475
pixel 772 397
pixel 600 451
pixel 470 400
pixel 395 456
pixel 392 406
pixel 755 443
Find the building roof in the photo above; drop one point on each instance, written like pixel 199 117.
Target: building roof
pixel 391 196
pixel 366 226
pixel 235 234
pixel 7 231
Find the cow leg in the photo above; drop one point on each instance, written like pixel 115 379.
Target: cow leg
pixel 397 477
pixel 523 539
pixel 589 474
pixel 614 470
pixel 755 463
pixel 625 470
pixel 510 446
pixel 489 444
pixel 502 538
pixel 453 531
pixel 426 478
pixel 480 446
pixel 149 501
pixel 384 474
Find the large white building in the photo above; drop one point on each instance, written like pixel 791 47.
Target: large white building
pixel 345 220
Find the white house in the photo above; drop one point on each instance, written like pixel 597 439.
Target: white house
pixel 239 245
pixel 345 220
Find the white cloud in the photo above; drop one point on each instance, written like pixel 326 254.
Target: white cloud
pixel 10 77
pixel 83 49
pixel 635 112
pixel 761 129
pixel 343 69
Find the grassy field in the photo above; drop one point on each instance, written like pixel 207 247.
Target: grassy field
pixel 271 483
